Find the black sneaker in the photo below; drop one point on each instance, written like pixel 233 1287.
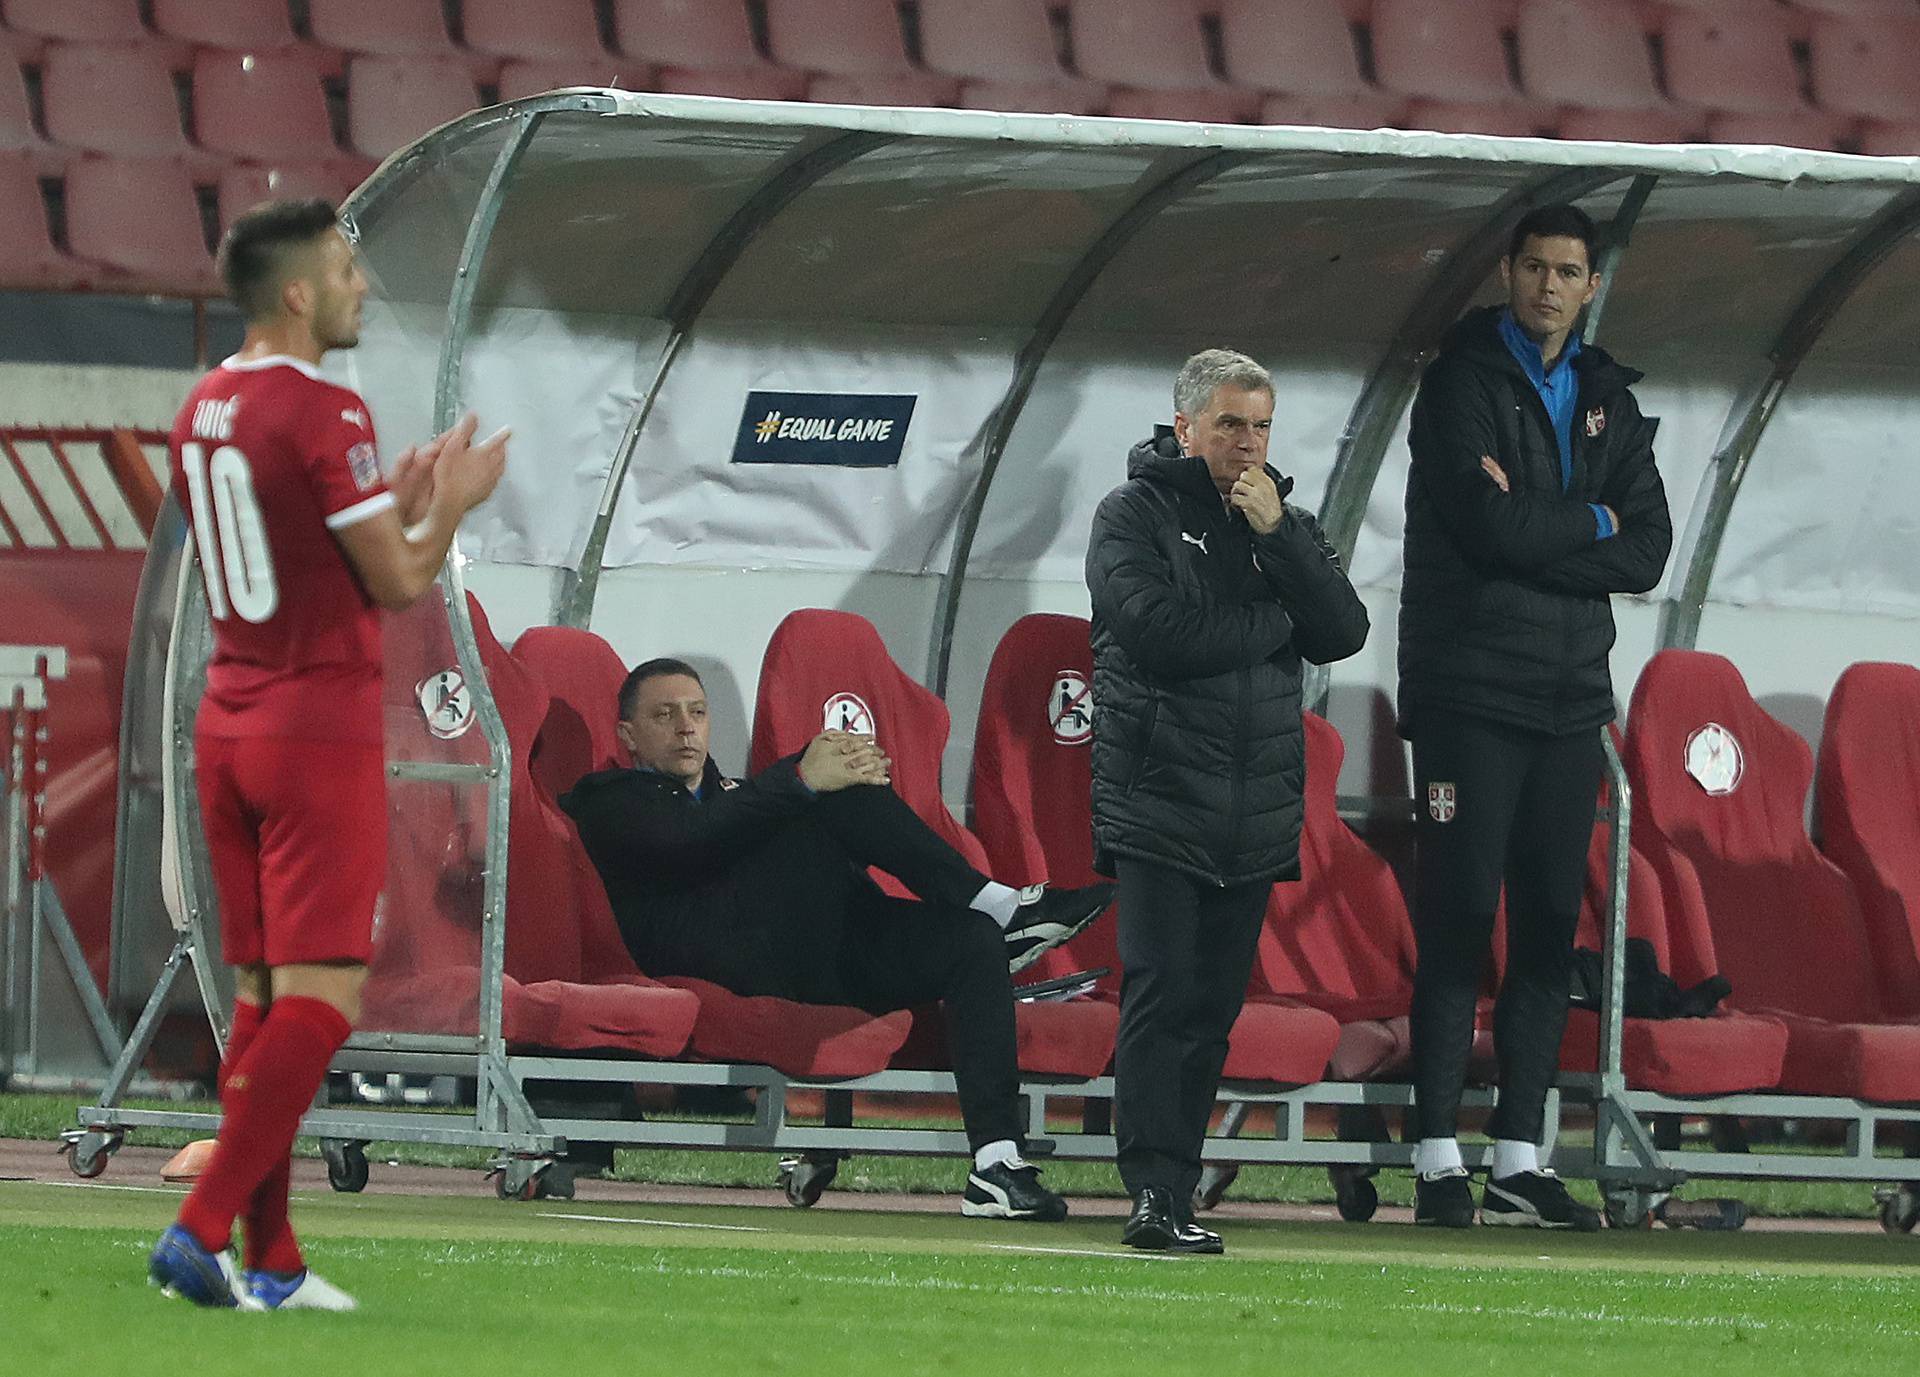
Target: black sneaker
pixel 1537 1200
pixel 1444 1199
pixel 1010 1190
pixel 1047 917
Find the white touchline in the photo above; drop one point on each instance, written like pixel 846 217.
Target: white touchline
pixel 657 1223
pixel 104 1186
pixel 1133 1254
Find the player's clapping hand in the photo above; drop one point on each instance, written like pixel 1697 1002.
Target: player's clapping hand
pixel 469 472
pixel 836 760
pixel 411 481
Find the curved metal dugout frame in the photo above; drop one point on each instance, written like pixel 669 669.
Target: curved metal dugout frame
pixel 1681 610
pixel 500 1102
pixel 573 601
pixel 998 428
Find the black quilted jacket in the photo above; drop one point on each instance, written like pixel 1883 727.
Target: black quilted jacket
pixel 1504 609
pixel 1199 629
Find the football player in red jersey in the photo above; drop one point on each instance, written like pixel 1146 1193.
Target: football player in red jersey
pixel 301 540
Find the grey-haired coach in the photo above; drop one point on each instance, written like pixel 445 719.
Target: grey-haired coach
pixel 1209 590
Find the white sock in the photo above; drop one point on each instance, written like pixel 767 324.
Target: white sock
pixel 997 901
pixel 1435 1155
pixel 1001 1152
pixel 1510 1157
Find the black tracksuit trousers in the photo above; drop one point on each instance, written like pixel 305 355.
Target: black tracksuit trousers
pixel 1522 809
pixel 887 953
pixel 1186 950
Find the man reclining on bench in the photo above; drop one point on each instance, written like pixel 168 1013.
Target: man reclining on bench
pixel 761 886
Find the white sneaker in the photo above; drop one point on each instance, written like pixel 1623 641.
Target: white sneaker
pixel 307 1291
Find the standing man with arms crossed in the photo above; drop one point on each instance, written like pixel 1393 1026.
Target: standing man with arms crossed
pixel 1532 496
pixel 1208 593
pixel 301 541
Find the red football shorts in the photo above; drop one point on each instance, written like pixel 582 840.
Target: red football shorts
pixel 297 835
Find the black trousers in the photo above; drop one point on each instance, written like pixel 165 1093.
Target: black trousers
pixel 838 938
pixel 1522 808
pixel 1186 950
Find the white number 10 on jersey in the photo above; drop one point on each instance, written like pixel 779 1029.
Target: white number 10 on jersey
pixel 238 565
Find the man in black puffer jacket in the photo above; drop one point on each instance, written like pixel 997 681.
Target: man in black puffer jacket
pixel 1208 592
pixel 1532 496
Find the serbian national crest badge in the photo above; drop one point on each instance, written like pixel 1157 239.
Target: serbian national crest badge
pixel 1442 801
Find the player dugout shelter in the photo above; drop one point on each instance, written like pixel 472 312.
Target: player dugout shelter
pixel 988 311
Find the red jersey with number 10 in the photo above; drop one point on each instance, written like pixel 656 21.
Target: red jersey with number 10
pixel 268 460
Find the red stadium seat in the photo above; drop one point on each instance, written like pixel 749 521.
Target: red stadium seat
pixel 839 37
pixel 1811 129
pixel 1869 68
pixel 1719 788
pixel 1152 44
pixel 1672 125
pixel 236 25
pixel 265 107
pixel 1505 121
pixel 1301 47
pixel 583 674
pixel 990 41
pixel 825 667
pixel 77 21
pixel 1722 1055
pixel 757 83
pixel 552 31
pixel 1859 9
pixel 243 186
pixel 674 33
pixel 392 101
pixel 908 89
pixel 1052 98
pixel 28 258
pixel 1867 802
pixel 1592 53
pixel 1335 112
pixel 117 100
pixel 1891 140
pixel 1032 792
pixel 1218 106
pixel 519 80
pixel 1741 65
pixel 1443 50
pixel 1340 939
pixel 390 28
pixel 17 134
pixel 141 220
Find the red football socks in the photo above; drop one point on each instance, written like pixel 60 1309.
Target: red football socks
pixel 266 1089
pixel 265 1226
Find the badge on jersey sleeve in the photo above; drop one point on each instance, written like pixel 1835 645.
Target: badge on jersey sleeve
pixel 364 465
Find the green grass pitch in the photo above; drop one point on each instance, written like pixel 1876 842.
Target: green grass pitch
pixel 468 1286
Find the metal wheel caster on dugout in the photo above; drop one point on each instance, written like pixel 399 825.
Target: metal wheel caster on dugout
pixel 1899 1208
pixel 805 1178
pixel 87 1150
pixel 1631 1208
pixel 346 1163
pixel 528 1178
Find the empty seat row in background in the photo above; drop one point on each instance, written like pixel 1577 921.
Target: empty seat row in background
pixel 233 97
